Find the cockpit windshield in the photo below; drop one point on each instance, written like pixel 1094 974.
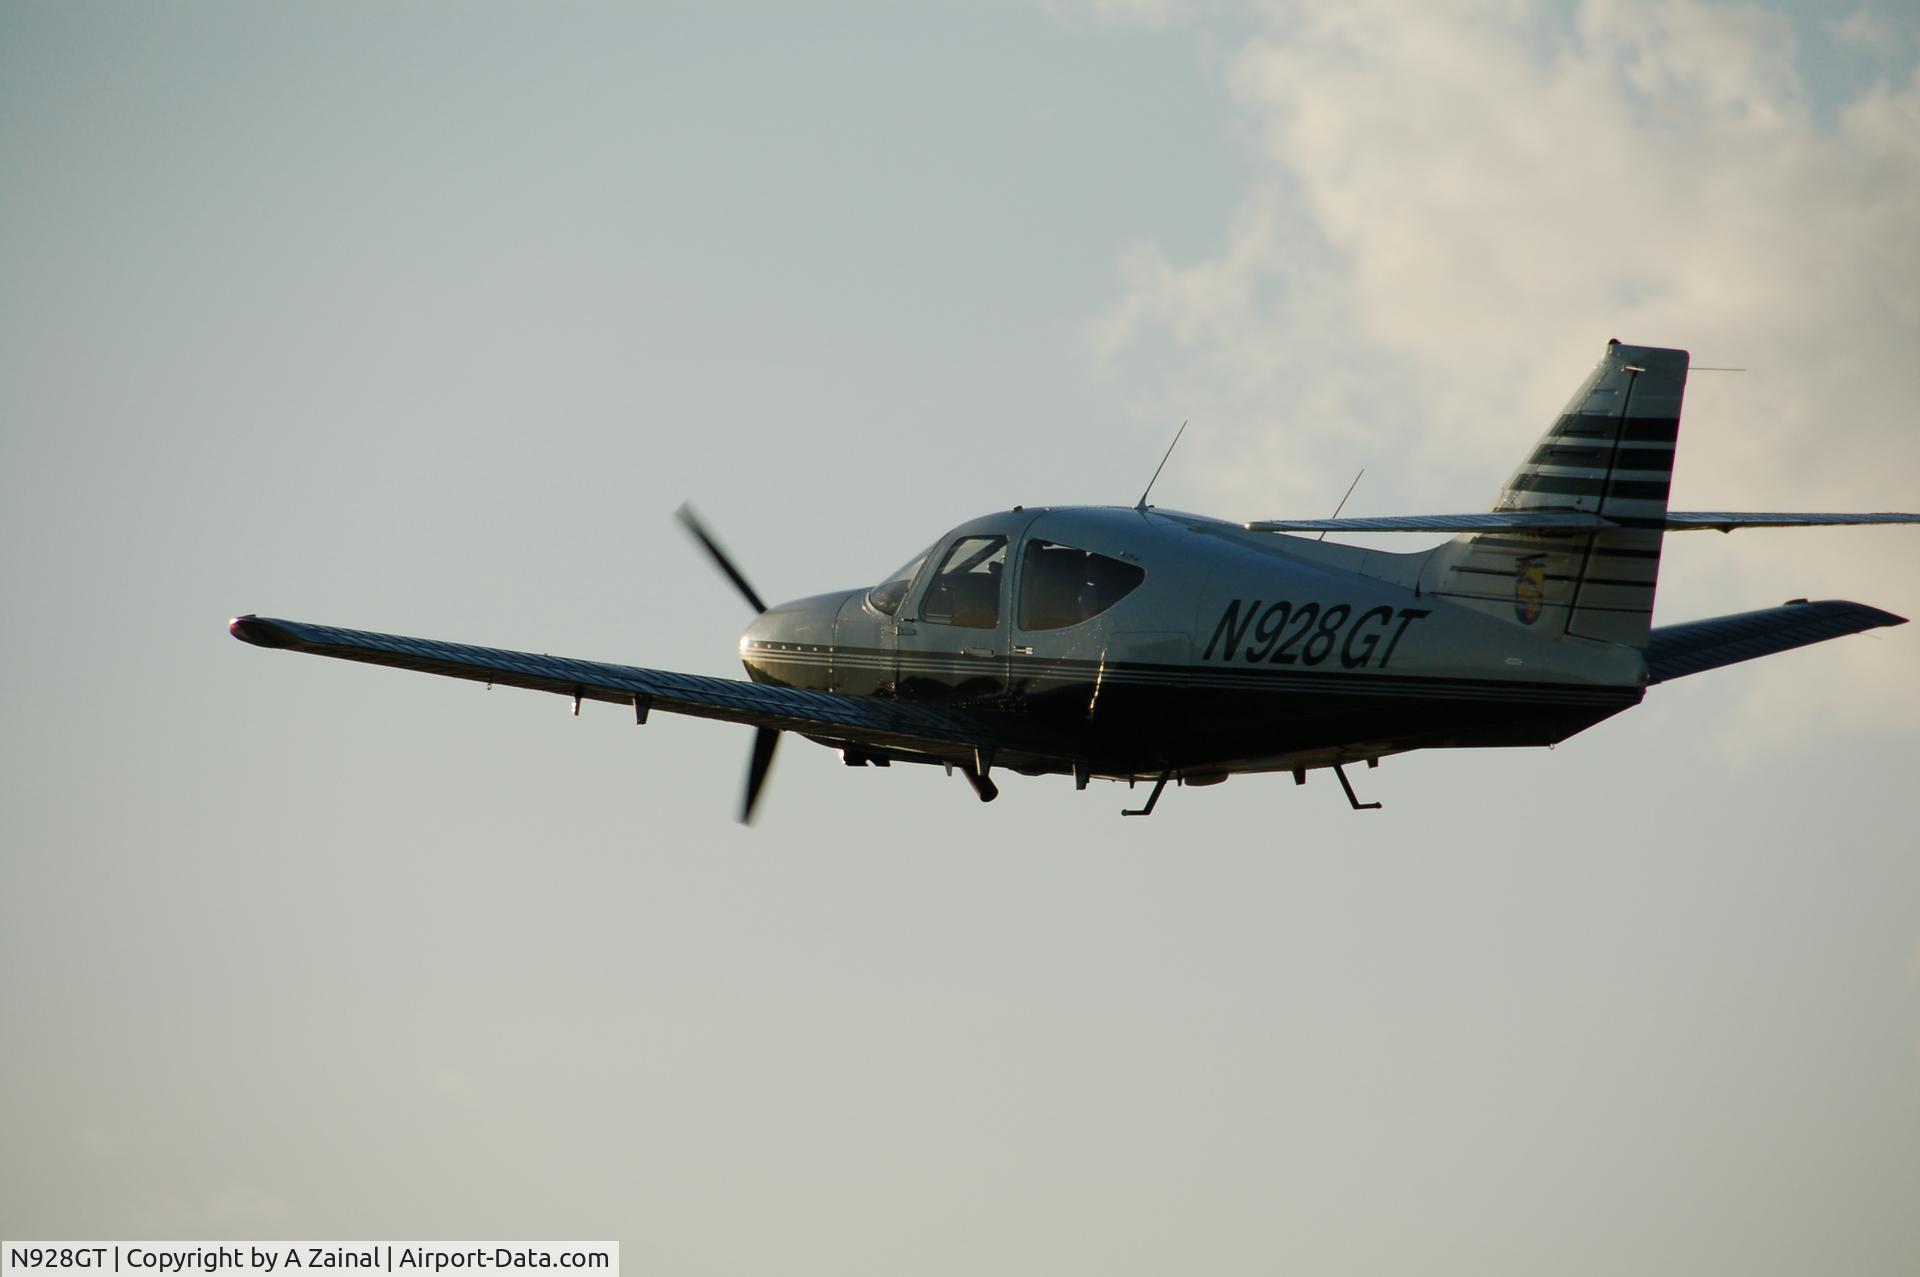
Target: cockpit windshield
pixel 886 597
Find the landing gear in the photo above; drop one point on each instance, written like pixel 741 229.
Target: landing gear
pixel 1347 785
pixel 1152 798
pixel 1300 778
pixel 982 784
pixel 977 775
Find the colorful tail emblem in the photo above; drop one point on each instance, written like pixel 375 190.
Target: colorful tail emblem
pixel 1529 587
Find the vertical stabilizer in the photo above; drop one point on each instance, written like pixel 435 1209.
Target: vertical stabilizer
pixel 1609 453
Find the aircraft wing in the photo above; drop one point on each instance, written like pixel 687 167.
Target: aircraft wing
pixel 1674 651
pixel 923 729
pixel 1573 521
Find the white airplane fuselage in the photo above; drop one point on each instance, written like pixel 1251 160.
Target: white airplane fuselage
pixel 1235 651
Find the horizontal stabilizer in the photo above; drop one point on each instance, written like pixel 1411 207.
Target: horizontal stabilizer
pixel 1674 651
pixel 1722 522
pixel 1524 520
pixel 1575 521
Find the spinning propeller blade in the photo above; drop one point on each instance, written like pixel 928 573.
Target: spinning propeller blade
pixel 691 522
pixel 765 739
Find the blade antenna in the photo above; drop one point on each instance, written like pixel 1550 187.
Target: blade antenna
pixel 1343 500
pixel 1162 466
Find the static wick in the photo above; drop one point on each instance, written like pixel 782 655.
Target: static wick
pixel 1162 466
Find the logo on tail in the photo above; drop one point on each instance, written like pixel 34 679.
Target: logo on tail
pixel 1529 587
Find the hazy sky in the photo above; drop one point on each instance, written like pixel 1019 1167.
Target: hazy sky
pixel 424 318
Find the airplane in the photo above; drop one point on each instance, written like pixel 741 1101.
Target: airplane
pixel 1140 644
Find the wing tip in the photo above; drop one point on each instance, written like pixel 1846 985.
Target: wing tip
pixel 1875 617
pixel 259 631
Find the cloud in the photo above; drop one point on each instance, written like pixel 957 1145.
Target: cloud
pixel 1456 205
pixel 1148 13
pixel 1865 29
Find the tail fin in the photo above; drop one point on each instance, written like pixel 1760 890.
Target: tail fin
pixel 1610 453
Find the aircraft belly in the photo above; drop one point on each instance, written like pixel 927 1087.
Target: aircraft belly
pixel 1142 718
pixel 1125 717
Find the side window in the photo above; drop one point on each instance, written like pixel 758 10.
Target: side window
pixel 1062 586
pixel 966 589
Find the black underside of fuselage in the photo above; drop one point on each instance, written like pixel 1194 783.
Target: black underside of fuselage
pixel 1139 720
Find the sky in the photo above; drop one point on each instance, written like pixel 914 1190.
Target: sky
pixel 425 318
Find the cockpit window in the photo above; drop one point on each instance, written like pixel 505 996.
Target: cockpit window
pixel 887 596
pixel 1062 586
pixel 966 589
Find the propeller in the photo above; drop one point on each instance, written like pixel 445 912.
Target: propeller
pixel 765 739
pixel 691 521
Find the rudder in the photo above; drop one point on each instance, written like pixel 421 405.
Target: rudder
pixel 1609 453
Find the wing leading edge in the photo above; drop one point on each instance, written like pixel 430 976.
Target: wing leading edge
pixel 921 729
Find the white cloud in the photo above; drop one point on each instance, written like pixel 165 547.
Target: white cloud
pixel 1458 204
pixel 1150 13
pixel 1865 29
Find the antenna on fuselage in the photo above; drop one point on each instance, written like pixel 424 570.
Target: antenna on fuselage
pixel 1343 500
pixel 1162 466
